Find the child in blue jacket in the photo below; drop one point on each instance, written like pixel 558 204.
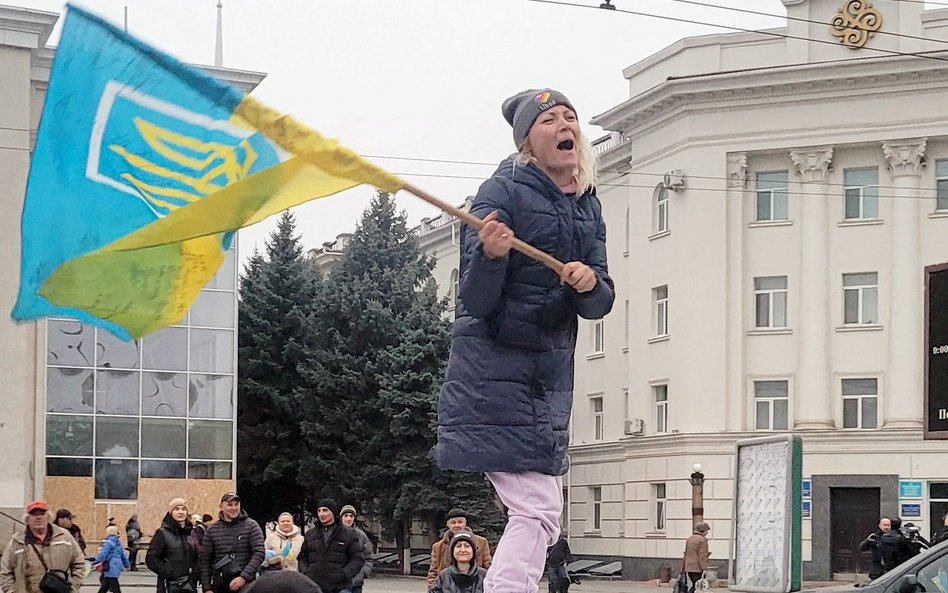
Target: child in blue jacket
pixel 113 559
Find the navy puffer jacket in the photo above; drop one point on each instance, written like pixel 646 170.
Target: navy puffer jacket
pixel 508 390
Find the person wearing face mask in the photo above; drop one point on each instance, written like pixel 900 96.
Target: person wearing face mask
pixel 462 575
pixel 171 554
pixel 283 545
pixel 509 381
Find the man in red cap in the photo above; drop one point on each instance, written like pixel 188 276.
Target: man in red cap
pixel 39 548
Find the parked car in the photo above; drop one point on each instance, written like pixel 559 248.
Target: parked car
pixel 925 573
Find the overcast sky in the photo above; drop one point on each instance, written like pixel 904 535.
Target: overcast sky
pixel 415 78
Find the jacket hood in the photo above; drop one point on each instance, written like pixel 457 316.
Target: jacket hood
pixel 293 533
pixel 176 527
pixel 241 517
pixel 530 175
pixel 19 536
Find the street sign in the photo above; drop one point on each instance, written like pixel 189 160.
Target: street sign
pixel 807 488
pixel 910 489
pixel 807 505
pixel 768 509
pixel 911 510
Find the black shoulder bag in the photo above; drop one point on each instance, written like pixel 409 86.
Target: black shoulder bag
pixel 183 583
pixel 226 568
pixel 51 581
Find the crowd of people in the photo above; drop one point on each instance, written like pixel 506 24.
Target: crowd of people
pixel 230 554
pixel 187 551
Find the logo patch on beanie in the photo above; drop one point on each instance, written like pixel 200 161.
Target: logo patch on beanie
pixel 544 100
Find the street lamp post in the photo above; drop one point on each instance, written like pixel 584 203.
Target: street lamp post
pixel 697 495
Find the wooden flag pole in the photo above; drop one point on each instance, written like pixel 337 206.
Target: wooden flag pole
pixel 525 248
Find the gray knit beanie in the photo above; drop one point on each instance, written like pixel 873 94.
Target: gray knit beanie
pixel 525 107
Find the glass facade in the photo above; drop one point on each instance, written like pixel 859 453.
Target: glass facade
pixel 159 407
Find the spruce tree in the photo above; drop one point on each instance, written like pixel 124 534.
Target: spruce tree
pixel 276 298
pixel 375 363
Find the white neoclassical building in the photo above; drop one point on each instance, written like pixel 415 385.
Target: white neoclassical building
pixel 772 200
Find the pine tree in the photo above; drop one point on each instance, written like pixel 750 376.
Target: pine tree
pixel 276 297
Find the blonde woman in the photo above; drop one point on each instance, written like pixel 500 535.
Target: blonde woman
pixel 509 381
pixel 283 545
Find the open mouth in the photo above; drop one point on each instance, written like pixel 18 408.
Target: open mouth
pixel 565 145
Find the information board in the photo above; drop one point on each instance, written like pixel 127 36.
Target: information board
pixel 768 506
pixel 910 489
pixel 936 352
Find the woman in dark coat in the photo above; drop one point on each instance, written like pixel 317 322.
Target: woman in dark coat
pixel 505 405
pixel 171 554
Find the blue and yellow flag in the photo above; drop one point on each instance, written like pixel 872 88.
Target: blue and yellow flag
pixel 143 168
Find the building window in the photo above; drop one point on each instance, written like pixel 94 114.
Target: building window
pixel 455 291
pixel 596 500
pixel 598 337
pixel 625 397
pixel 861 298
pixel 660 217
pixel 658 506
pixel 596 404
pixel 660 393
pixel 625 332
pixel 941 185
pixel 772 196
pixel 860 403
pixel 158 407
pixel 628 228
pixel 770 294
pixel 660 298
pixel 862 193
pixel 773 404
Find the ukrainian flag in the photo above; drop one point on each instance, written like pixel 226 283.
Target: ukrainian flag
pixel 143 168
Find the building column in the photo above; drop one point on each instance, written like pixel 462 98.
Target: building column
pixel 903 386
pixel 813 394
pixel 735 402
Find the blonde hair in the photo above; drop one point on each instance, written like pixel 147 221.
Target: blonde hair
pixel 587 166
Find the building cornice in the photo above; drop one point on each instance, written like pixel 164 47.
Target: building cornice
pixel 895 440
pixel 24 27
pixel 783 82
pixel 699 41
pixel 41 63
pixel 245 80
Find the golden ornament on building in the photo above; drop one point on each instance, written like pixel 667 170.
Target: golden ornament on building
pixel 855 23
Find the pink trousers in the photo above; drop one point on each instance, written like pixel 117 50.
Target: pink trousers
pixel 534 502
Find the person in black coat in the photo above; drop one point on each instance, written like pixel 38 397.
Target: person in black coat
pixel 463 575
pixel 942 534
pixel 557 557
pixel 872 544
pixel 331 554
pixel 171 554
